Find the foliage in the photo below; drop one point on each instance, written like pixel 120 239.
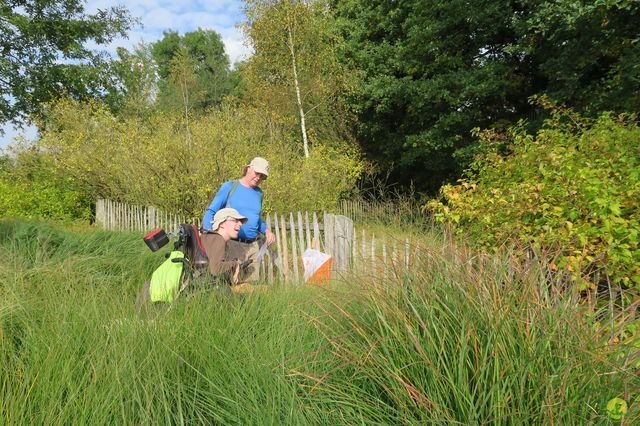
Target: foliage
pixel 574 188
pixel 617 408
pixel 199 53
pixel 430 72
pixel 31 188
pixel 158 161
pixel 43 52
pixel 463 339
pixel 467 338
pixel 133 84
pixel 295 54
pixel 588 52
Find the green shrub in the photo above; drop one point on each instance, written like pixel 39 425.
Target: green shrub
pixel 31 188
pixel 572 189
pixel 178 166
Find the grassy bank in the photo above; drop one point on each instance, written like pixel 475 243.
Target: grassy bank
pixel 461 339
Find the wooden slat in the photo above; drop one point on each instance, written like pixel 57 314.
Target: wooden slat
pixel 307 228
pixel 316 233
pixel 268 255
pixel 373 254
pixel 278 242
pixel 294 249
pixel 284 256
pixel 301 244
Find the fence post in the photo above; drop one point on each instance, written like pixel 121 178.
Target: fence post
pixel 301 234
pixel 278 244
pixel 285 255
pixel 294 249
pixel 406 254
pixel 307 228
pixel 329 246
pixel 373 254
pixel 270 261
pixel 384 259
pixel 99 212
pixel 354 249
pixel 316 232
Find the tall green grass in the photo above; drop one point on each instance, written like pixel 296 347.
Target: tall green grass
pixel 460 339
pixel 469 339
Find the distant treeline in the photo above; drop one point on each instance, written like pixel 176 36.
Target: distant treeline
pixel 404 81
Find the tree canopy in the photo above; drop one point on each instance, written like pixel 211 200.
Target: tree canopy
pixel 44 53
pixel 295 70
pixel 432 71
pixel 200 53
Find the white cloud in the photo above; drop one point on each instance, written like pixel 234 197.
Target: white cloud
pixel 236 49
pixel 157 16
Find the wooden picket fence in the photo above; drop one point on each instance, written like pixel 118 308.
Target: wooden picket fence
pixel 334 234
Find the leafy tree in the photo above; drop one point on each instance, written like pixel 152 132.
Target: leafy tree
pixel 294 70
pixel 149 162
pixel 204 51
pixel 432 71
pixel 586 53
pixel 43 53
pixel 133 87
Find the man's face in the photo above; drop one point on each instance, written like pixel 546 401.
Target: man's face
pixel 231 226
pixel 254 178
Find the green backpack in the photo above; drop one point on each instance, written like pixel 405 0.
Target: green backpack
pixel 165 281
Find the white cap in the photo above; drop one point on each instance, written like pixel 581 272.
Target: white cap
pixel 224 214
pixel 259 165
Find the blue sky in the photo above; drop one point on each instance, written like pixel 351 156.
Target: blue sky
pixel 156 16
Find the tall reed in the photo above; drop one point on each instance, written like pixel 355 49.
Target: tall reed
pixel 458 339
pixel 466 339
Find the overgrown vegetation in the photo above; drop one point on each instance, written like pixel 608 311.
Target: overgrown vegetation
pixel 572 189
pixel 460 339
pixel 31 188
pixel 429 72
pixel 463 338
pixel 178 166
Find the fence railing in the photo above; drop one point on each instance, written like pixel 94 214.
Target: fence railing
pixel 333 234
pixel 403 210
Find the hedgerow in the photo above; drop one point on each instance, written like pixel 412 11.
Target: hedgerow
pixel 572 188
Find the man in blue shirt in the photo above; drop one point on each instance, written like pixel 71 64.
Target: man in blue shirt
pixel 245 196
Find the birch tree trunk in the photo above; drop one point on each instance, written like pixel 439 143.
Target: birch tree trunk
pixel 292 51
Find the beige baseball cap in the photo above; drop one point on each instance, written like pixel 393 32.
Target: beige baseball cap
pixel 259 165
pixel 224 214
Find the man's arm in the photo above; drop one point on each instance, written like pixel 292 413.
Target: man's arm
pixel 262 227
pixel 216 204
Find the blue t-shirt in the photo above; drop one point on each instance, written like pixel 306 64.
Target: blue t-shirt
pixel 248 202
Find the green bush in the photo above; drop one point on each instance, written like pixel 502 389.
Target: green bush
pixel 572 189
pixel 178 166
pixel 31 188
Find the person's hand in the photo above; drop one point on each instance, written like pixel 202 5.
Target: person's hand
pixel 271 238
pixel 236 273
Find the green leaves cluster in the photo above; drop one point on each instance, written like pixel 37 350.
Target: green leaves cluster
pixel 573 188
pixel 31 188
pixel 295 53
pixel 193 66
pixel 431 71
pixel 159 161
pixel 43 53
